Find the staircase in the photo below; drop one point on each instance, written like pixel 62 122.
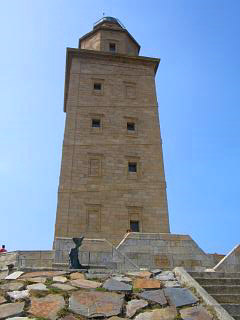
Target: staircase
pixel 223 287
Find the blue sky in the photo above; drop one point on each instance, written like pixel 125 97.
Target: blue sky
pixel 198 85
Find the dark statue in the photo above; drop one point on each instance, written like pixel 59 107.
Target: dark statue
pixel 73 254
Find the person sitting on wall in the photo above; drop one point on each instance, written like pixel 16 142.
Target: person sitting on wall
pixel 3 250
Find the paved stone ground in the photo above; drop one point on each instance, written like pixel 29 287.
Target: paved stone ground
pixel 70 295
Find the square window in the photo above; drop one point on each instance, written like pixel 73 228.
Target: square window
pixel 97 86
pixel 130 126
pixel 132 166
pixel 112 47
pixel 96 123
pixel 134 226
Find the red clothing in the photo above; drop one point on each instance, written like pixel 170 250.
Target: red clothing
pixel 2 250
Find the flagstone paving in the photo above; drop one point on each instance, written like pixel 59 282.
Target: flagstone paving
pixel 171 284
pixel 122 279
pixel 76 275
pixel 18 295
pixel 36 280
pixel 114 285
pixel 47 307
pixel 140 274
pixel 2 299
pixel 37 287
pixel 12 286
pixel 14 275
pixel 169 313
pixel 63 286
pixel 135 305
pixel 67 295
pixel 165 276
pixel 195 313
pixel 146 284
pixel 156 296
pixel 87 284
pixel 60 279
pixel 180 297
pixel 42 274
pixel 11 309
pixel 96 304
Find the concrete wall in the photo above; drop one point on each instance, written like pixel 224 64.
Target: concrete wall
pixel 216 258
pixel 150 250
pixel 166 251
pixel 231 262
pixel 8 258
pixel 27 259
pixel 93 253
pixel 147 250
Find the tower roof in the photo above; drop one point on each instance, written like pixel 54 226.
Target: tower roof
pixel 109 19
pixel 107 23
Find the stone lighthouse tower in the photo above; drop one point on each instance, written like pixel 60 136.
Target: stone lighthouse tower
pixel 112 174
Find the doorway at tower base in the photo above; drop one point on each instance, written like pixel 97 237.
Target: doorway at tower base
pixel 138 250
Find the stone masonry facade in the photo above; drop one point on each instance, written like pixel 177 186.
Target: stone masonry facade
pixel 112 174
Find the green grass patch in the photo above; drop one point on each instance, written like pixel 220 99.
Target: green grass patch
pixel 54 290
pixel 137 290
pixel 49 282
pixel 101 289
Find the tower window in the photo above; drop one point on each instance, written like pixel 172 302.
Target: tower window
pixel 130 126
pixel 134 226
pixel 112 47
pixel 130 89
pixel 96 123
pixel 95 168
pixel 132 166
pixel 97 86
pixel 93 218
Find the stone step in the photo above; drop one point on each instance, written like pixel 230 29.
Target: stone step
pixel 204 274
pixel 227 298
pixel 218 281
pixel 222 289
pixel 232 308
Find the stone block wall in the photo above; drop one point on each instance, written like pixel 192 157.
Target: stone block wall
pixel 98 195
pixel 8 258
pixel 27 259
pixel 93 253
pixel 166 251
pixel 139 250
pixel 231 262
pixel 35 259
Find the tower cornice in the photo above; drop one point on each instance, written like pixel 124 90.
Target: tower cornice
pixel 102 55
